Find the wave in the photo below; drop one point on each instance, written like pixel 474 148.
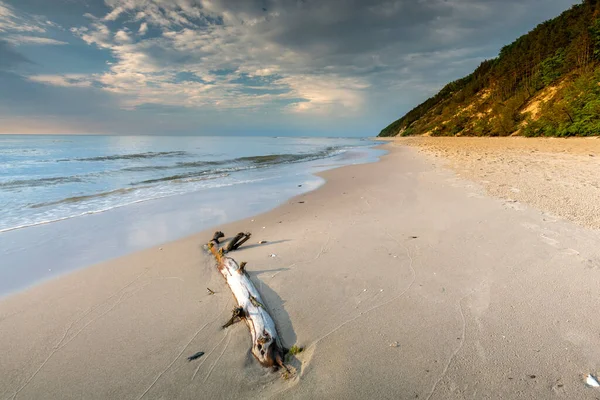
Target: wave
pixel 188 177
pixel 243 163
pixel 122 191
pixel 210 167
pixel 273 159
pixel 253 161
pixel 39 182
pixel 191 164
pixel 134 156
pixel 48 221
pixel 76 199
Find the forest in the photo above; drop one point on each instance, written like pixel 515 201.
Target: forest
pixel 545 83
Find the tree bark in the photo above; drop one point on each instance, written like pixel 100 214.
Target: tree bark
pixel 266 345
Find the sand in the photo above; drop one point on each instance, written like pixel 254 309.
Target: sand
pixel 400 279
pixel 560 176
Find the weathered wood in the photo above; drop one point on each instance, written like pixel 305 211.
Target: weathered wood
pixel 266 345
pixel 218 235
pixel 236 313
pixel 237 241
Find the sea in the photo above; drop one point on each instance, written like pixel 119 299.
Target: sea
pixel 70 201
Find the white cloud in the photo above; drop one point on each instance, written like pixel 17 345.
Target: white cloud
pixel 32 40
pixel 122 37
pixel 140 76
pixel 68 80
pixel 97 34
pixel 143 29
pixel 305 57
pixel 114 14
pixel 11 22
pixel 20 28
pixel 146 70
pixel 327 94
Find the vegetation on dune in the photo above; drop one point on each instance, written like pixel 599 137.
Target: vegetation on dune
pixel 546 83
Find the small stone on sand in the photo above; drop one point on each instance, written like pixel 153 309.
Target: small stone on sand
pixel 591 381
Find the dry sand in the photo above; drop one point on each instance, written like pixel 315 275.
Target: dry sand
pixel 400 279
pixel 560 176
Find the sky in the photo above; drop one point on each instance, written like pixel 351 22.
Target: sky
pixel 241 67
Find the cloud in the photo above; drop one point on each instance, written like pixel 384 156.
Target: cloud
pixel 33 40
pixel 114 14
pixel 11 22
pixel 202 40
pixel 334 60
pixel 122 37
pixel 143 29
pixel 68 80
pixel 19 28
pixel 97 33
pixel 326 95
pixel 321 57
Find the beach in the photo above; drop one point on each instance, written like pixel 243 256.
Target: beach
pixel 406 278
pixel 559 176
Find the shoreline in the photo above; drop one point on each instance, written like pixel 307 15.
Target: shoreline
pixel 397 277
pixel 67 245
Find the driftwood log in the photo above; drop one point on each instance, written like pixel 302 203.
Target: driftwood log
pixel 266 345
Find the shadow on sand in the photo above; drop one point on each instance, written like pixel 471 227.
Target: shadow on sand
pixel 275 305
pixel 264 244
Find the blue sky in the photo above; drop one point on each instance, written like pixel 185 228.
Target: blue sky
pixel 237 67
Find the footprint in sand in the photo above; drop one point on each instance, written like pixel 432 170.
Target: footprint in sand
pixel 514 205
pixel 592 264
pixel 570 252
pixel 549 218
pixel 550 241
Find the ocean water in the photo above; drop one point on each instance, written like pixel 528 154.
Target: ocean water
pixel 71 201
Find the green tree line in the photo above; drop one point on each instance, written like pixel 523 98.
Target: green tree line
pixel 557 65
